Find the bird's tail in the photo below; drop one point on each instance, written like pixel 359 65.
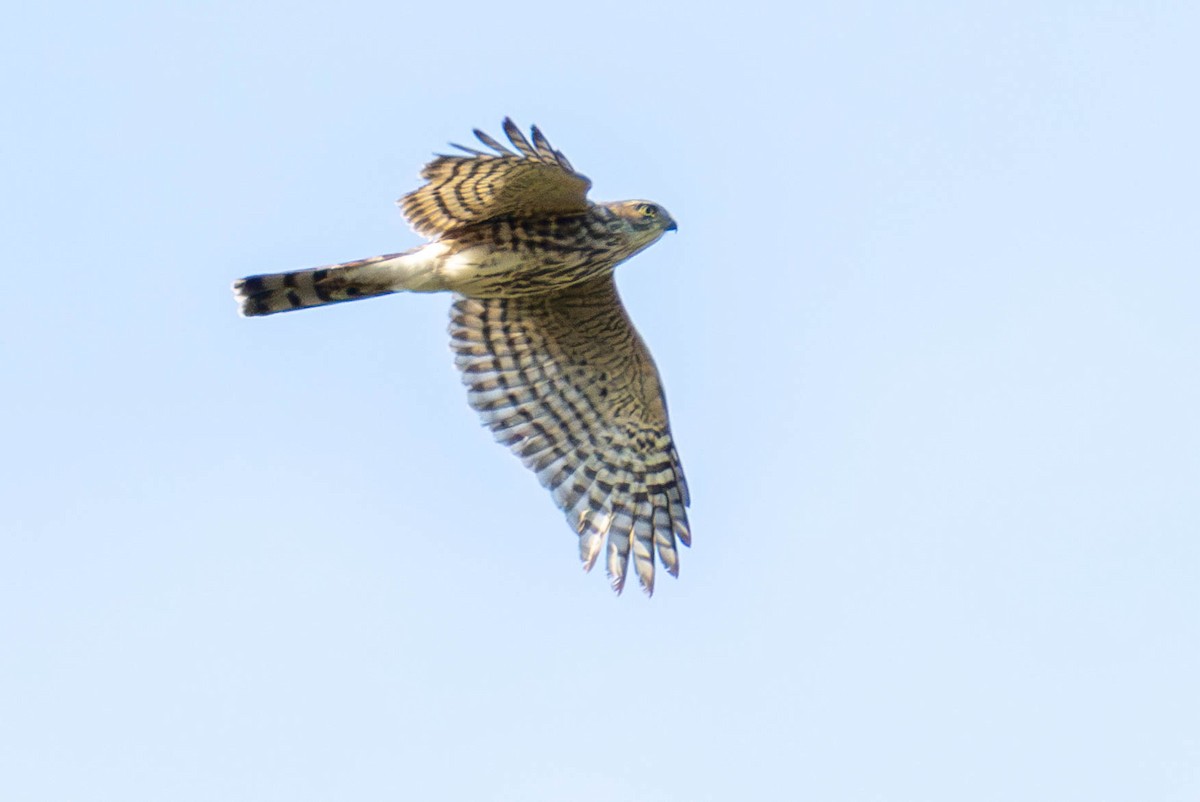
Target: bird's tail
pixel 350 281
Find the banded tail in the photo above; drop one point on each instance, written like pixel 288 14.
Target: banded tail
pixel 349 281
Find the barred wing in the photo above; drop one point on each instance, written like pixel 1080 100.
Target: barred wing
pixel 565 381
pixel 535 180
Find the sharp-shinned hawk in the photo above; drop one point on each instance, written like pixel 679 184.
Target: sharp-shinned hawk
pixel 550 358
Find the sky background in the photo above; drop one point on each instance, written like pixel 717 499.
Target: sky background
pixel 928 331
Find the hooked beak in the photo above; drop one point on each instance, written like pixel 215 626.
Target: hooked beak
pixel 672 227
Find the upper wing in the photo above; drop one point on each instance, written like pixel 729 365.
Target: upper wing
pixel 536 180
pixel 565 381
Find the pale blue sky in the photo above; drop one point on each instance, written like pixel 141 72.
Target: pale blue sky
pixel 928 329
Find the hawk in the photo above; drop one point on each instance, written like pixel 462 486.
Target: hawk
pixel 549 356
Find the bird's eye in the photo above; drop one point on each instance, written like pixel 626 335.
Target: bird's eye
pixel 648 209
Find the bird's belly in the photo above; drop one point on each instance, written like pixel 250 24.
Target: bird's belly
pixel 487 271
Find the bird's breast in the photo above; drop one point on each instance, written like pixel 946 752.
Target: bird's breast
pixel 513 259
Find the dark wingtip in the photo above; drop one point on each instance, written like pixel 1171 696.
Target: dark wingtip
pixel 540 142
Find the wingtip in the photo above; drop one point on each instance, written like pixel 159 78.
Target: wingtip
pixel 464 149
pixel 589 550
pixel 617 582
pixel 683 533
pixel 518 139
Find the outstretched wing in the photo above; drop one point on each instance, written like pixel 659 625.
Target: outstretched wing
pixel 535 180
pixel 565 381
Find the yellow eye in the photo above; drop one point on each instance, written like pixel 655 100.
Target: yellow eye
pixel 648 210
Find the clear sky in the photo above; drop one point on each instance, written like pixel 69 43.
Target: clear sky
pixel 928 330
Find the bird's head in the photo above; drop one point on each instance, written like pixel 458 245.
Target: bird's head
pixel 646 221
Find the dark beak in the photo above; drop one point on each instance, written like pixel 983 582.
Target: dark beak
pixel 672 227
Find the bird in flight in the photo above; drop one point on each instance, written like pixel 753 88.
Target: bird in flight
pixel 549 356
